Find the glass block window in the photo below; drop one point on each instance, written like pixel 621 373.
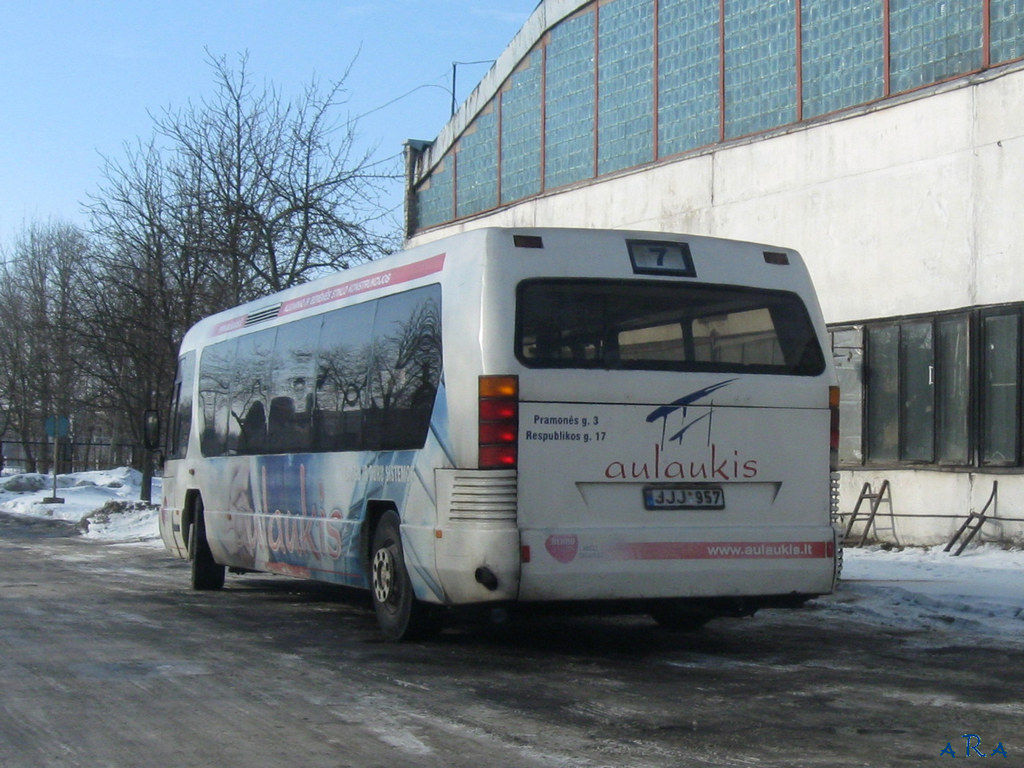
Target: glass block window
pixel 688 65
pixel 933 41
pixel 843 54
pixel 1007 30
pixel 760 65
pixel 477 168
pixel 434 197
pixel 569 128
pixel 625 84
pixel 520 131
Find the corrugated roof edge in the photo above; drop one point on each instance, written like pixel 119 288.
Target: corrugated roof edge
pixel 547 14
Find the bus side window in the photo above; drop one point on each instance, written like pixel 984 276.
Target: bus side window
pixel 342 367
pixel 292 373
pixel 249 388
pixel 377 373
pixel 405 369
pixel 180 422
pixel 286 432
pixel 254 427
pixel 215 396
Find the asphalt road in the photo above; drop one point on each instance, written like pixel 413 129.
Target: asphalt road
pixel 108 659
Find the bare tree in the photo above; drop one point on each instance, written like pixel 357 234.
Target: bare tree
pixel 279 192
pixel 17 389
pixel 38 304
pixel 152 282
pixel 236 196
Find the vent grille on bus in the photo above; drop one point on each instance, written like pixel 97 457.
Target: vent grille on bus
pixel 484 496
pixel 834 499
pixel 261 316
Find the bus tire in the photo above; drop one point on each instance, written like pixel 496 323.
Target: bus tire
pixel 207 574
pixel 678 617
pixel 400 615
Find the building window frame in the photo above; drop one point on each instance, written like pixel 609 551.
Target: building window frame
pixel 939 391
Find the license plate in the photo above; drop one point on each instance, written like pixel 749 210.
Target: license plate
pixel 683 497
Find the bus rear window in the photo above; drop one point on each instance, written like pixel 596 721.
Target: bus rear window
pixel 661 326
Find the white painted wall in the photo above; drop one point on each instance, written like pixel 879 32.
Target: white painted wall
pixel 928 508
pixel 911 206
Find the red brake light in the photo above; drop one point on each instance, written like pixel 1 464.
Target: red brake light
pixel 497 432
pixel 499 422
pixel 497 457
pixel 498 410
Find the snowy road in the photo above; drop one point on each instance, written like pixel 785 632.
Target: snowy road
pixel 107 659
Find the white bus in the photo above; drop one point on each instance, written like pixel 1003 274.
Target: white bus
pixel 633 421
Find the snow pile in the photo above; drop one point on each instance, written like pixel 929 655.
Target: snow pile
pixel 979 593
pixel 103 503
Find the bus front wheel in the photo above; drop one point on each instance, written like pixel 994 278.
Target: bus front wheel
pixel 206 572
pixel 400 615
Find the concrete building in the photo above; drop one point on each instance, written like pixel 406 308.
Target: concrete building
pixel 884 139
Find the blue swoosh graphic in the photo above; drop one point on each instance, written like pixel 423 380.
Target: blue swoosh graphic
pixel 679 435
pixel 665 410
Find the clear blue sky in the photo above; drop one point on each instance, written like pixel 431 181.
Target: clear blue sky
pixel 80 78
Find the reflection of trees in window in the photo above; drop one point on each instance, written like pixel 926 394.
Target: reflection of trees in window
pixel 215 396
pixel 249 393
pixel 181 407
pixel 369 384
pixel 405 369
pixel 341 372
pixel 292 384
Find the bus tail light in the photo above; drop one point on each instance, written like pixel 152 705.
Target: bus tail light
pixel 499 422
pixel 833 407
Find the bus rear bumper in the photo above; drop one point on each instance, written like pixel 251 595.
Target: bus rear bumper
pixel 476 539
pixel 478 563
pixel 616 564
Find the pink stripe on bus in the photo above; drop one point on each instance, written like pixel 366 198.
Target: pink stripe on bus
pixel 389 277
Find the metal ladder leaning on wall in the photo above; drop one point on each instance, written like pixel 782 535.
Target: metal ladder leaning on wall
pixel 974 522
pixel 874 500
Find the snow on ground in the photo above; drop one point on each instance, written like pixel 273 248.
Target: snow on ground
pixel 104 503
pixel 979 594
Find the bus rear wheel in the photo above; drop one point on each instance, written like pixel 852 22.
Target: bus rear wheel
pixel 206 572
pixel 400 615
pixel 678 616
